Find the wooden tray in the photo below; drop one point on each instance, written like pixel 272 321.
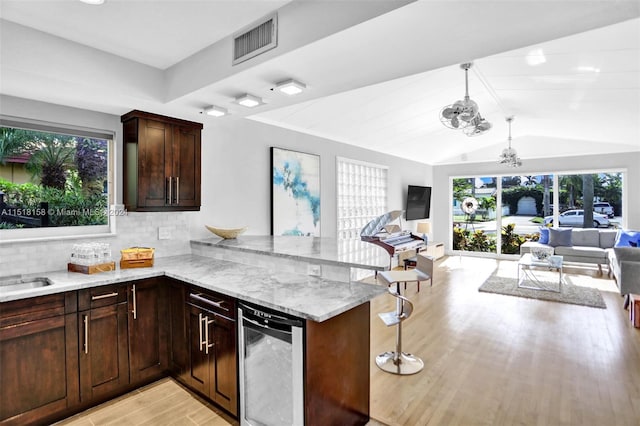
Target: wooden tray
pixel 91 269
pixel 140 263
pixel 137 253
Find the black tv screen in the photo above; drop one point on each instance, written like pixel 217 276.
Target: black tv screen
pixel 418 202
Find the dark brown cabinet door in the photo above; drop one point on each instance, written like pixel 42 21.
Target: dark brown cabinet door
pixel 186 166
pixel 225 384
pixel 154 160
pixel 148 348
pixel 199 361
pixel 213 348
pixel 39 368
pixel 178 332
pixel 104 350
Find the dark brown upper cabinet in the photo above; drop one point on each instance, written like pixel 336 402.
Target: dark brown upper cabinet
pixel 161 159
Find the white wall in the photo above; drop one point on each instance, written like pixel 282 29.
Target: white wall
pixel 235 185
pixel 236 174
pixel 629 162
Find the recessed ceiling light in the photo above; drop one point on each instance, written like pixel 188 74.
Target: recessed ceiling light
pixel 215 111
pixel 588 69
pixel 536 57
pixel 94 2
pixel 249 101
pixel 291 87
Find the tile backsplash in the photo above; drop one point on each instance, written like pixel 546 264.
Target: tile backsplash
pixel 134 229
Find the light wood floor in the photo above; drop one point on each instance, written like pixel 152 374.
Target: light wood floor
pixel 164 402
pixel 489 359
pixel 500 360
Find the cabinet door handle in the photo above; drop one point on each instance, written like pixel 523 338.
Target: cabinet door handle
pixel 207 345
pixel 200 342
pixel 85 320
pixel 170 190
pixel 135 303
pixel 104 296
pixel 177 189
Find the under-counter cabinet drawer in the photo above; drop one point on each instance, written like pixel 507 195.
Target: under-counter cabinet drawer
pixel 39 353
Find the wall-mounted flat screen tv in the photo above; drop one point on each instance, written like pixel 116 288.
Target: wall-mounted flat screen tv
pixel 418 202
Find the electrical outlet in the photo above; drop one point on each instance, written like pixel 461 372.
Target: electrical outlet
pixel 315 270
pixel 164 233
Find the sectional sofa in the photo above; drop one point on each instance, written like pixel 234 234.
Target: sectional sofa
pixel 595 246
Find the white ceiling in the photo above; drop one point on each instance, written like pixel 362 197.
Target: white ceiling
pixel 378 72
pixel 156 33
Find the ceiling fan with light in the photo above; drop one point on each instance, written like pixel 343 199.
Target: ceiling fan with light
pixel 478 126
pixel 462 113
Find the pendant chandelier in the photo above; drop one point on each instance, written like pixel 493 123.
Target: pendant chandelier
pixel 509 155
pixel 463 113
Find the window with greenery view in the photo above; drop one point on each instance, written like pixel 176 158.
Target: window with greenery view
pixel 474 214
pixel 50 180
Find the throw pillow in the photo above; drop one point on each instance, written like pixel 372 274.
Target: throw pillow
pixel 627 238
pixel 544 235
pixel 559 237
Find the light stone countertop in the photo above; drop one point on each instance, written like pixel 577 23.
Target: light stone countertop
pixel 330 251
pixel 304 296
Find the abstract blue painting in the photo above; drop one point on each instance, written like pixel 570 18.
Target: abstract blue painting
pixel 295 193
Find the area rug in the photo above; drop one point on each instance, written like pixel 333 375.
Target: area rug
pixel 570 293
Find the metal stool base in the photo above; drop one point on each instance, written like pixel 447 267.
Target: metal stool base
pixel 404 364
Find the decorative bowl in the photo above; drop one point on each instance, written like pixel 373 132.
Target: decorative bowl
pixel 227 233
pixel 541 253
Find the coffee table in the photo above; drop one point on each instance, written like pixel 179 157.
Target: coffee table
pixel 527 277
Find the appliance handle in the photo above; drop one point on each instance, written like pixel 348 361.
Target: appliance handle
pixel 248 312
pixel 285 336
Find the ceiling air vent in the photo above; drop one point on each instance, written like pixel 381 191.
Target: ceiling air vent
pixel 255 39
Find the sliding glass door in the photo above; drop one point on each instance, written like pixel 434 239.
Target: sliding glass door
pixel 497 214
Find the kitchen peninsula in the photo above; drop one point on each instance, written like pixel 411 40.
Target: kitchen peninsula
pixel 336 336
pixel 326 257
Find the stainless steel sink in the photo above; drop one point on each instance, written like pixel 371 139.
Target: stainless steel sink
pixel 11 285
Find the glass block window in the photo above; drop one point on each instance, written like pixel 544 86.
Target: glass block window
pixel 362 195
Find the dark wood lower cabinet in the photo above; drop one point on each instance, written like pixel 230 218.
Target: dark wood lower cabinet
pixel 337 366
pixel 39 358
pixel 225 371
pixel 62 353
pixel 213 348
pixel 178 330
pixel 148 343
pixel 104 351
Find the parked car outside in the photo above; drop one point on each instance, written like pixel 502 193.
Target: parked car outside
pixel 603 208
pixel 576 218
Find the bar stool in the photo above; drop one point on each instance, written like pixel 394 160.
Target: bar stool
pixel 422 262
pixel 398 362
